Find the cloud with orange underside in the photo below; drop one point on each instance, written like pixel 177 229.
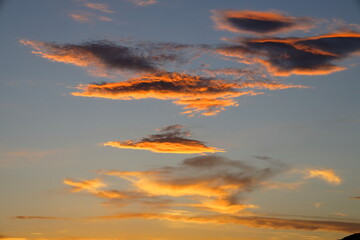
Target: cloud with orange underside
pixel 216 183
pixel 198 95
pixel 317 55
pixel 328 175
pixel 248 221
pixel 256 22
pixel 171 139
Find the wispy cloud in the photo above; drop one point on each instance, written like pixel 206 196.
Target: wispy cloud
pixel 99 6
pixel 302 56
pixel 255 22
pixel 249 221
pixel 80 17
pixel 216 182
pixel 356 197
pixel 40 218
pixel 171 139
pixel 327 175
pixel 143 3
pixel 206 96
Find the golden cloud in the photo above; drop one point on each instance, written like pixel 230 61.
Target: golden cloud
pixel 327 175
pixel 171 139
pixel 198 95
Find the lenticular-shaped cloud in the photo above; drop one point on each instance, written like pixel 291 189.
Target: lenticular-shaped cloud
pixel 317 55
pixel 255 22
pixel 171 139
pixel 206 96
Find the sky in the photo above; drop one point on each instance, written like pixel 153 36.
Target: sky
pixel 179 119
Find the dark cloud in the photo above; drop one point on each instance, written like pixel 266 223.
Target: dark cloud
pixel 103 57
pixel 171 139
pixel 305 56
pixel 245 21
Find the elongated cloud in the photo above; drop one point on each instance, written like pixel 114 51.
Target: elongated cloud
pixel 144 3
pixel 217 182
pixel 251 221
pixel 102 7
pixel 327 175
pixel 254 22
pixel 302 56
pixel 197 95
pixel 40 218
pixel 101 58
pixel 171 139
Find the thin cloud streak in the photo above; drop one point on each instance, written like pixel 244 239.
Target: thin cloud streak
pixel 40 218
pixel 251 221
pixel 171 139
pixel 144 3
pixel 99 6
pixel 256 22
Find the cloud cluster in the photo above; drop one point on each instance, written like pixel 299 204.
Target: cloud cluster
pixel 206 96
pixel 171 139
pixel 217 184
pixel 255 22
pixel 302 56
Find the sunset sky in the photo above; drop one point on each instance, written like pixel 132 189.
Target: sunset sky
pixel 179 119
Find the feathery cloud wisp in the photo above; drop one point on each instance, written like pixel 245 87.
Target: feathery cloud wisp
pixel 327 175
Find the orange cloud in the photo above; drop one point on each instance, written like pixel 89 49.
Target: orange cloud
pixel 301 56
pixel 171 139
pixel 255 22
pixel 198 95
pixel 99 6
pixel 80 17
pixel 327 175
pixel 215 182
pixel 249 221
pixel 104 58
pixel 91 186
